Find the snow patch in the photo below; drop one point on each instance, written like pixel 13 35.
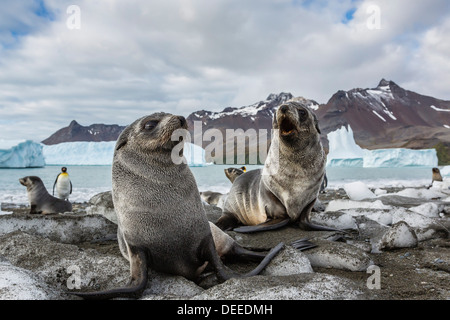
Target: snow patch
pixel 376 113
pixel 439 109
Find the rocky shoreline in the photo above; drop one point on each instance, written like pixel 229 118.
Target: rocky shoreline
pixel 396 247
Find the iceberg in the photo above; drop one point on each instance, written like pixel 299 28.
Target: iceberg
pixel 101 153
pixel 445 171
pixel 344 152
pixel 80 153
pixel 400 158
pixel 195 155
pixel 21 154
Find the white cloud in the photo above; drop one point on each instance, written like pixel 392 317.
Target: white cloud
pixel 132 58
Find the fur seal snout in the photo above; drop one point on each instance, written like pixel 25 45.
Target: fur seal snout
pixel 40 200
pixel 162 224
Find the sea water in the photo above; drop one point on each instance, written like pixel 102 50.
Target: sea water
pixel 88 181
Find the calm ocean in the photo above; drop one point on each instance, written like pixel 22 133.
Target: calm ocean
pixel 90 180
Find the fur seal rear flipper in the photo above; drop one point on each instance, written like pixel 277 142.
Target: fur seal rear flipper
pixel 162 224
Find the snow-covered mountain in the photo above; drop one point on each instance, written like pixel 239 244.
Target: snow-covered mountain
pixel 388 116
pixel 256 116
pixel 383 117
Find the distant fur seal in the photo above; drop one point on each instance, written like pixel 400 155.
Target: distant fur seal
pixel 436 175
pixel 217 198
pixel 233 173
pixel 287 187
pixel 162 224
pixel 212 198
pixel 63 185
pixel 40 200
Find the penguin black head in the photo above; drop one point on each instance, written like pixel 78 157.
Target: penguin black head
pixel 63 169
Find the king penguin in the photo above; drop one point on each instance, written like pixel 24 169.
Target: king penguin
pixel 63 185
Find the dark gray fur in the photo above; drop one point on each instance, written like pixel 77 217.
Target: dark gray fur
pixel 162 224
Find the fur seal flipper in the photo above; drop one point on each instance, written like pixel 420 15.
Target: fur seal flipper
pixel 136 285
pixel 162 223
pixel 303 244
pixel 265 226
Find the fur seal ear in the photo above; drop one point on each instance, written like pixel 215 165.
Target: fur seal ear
pixel 316 123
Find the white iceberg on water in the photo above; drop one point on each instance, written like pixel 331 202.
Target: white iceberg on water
pixel 80 153
pixel 101 153
pixel 344 152
pixel 20 154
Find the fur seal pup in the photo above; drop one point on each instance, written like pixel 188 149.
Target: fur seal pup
pixel 211 197
pixel 162 224
pixel 217 198
pixel 436 175
pixel 286 188
pixel 63 185
pixel 233 173
pixel 40 200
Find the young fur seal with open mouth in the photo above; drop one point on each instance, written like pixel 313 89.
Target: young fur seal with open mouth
pixel 287 187
pixel 162 224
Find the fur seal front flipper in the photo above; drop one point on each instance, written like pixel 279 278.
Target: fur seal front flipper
pixel 136 285
pixel 305 223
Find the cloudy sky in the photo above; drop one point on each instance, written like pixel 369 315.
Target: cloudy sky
pixel 112 61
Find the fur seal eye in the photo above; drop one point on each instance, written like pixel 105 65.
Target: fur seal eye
pixel 302 113
pixel 150 125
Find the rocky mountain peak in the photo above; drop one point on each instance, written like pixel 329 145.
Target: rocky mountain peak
pixel 77 132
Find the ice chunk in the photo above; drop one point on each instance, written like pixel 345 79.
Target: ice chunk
pixel 358 191
pixel 336 205
pixel 400 235
pixel 20 154
pixel 427 209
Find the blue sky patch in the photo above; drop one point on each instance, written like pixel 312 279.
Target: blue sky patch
pixel 348 15
pixel 42 11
